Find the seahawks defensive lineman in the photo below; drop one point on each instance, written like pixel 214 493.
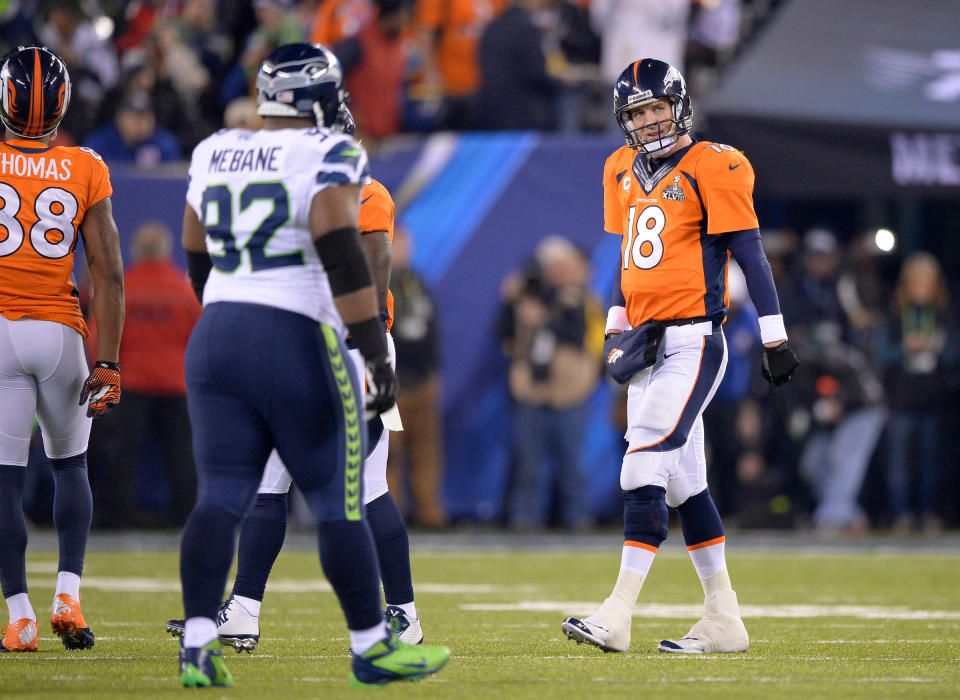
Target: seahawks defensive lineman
pixel 270 228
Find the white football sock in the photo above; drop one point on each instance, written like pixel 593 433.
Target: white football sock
pixel 199 631
pixel 409 608
pixel 19 607
pixel 708 558
pixel 249 604
pixel 362 640
pixel 69 583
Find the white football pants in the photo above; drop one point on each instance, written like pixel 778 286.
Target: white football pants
pixel 42 369
pixel 665 404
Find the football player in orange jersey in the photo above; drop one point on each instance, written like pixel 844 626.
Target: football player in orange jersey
pixel 682 208
pixel 49 196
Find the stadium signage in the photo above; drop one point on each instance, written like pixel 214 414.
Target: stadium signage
pixel 925 158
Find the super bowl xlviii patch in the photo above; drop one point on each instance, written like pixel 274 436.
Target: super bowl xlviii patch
pixel 674 191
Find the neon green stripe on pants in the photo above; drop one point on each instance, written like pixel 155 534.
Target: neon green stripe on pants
pixel 352 425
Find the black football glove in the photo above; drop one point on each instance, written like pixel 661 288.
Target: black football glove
pixel 778 363
pixel 102 388
pixel 381 387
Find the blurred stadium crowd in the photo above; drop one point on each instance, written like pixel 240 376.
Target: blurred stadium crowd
pixel 152 78
pixel 859 439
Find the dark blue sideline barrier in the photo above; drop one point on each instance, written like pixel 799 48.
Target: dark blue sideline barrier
pixel 476 205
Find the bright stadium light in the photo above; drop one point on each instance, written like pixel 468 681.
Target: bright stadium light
pixel 885 240
pixel 103 27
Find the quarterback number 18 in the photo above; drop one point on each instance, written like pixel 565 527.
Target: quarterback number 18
pixel 644 245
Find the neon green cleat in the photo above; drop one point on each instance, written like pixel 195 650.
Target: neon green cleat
pixel 203 667
pixel 391 660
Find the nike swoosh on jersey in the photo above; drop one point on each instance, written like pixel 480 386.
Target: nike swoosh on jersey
pixel 364 201
pixel 734 167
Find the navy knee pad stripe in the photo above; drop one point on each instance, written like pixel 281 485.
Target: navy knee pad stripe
pixel 700 521
pixel 645 516
pixel 75 462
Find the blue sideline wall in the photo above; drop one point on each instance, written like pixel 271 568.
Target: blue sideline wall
pixel 476 206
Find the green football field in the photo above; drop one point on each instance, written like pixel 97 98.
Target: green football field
pixel 842 623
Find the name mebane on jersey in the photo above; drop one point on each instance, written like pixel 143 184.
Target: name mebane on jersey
pixel 233 160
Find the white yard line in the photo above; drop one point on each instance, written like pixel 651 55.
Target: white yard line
pixel 661 610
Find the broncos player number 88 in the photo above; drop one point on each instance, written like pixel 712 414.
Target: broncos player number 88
pixel 51 197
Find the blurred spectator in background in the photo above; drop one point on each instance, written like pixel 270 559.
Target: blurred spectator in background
pixel 16 25
pixel 838 417
pixel 338 20
pixel 841 414
pixel 200 30
pixel 416 452
pixel 174 112
pixel 277 23
pixel 552 376
pixel 732 421
pixel 714 32
pixel 918 351
pixel 161 311
pixel 91 60
pixel 134 137
pixel 374 65
pixel 450 32
pixel 241 113
pixel 515 90
pixel 630 29
pixel 863 293
pixel 812 298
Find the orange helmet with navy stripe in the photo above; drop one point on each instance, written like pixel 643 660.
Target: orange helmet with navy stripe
pixel 34 91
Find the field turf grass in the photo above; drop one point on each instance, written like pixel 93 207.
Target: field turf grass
pixel 841 624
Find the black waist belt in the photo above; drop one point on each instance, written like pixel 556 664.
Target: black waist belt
pixel 684 321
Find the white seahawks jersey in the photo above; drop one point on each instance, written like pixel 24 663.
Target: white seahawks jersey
pixel 252 192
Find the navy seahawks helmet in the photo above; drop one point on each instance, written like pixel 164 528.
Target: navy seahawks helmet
pixel 648 80
pixel 301 80
pixel 34 91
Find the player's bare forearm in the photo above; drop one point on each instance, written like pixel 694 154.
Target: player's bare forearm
pixel 357 306
pixel 193 236
pixel 102 244
pixel 376 244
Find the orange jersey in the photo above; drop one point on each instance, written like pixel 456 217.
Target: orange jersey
pixel 376 214
pixel 338 20
pixel 460 24
pixel 46 192
pixel 673 257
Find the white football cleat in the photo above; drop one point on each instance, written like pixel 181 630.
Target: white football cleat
pixel 237 627
pixel 406 628
pixel 607 629
pixel 719 631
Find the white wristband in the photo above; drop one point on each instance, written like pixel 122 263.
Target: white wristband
pixel 772 329
pixel 617 319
